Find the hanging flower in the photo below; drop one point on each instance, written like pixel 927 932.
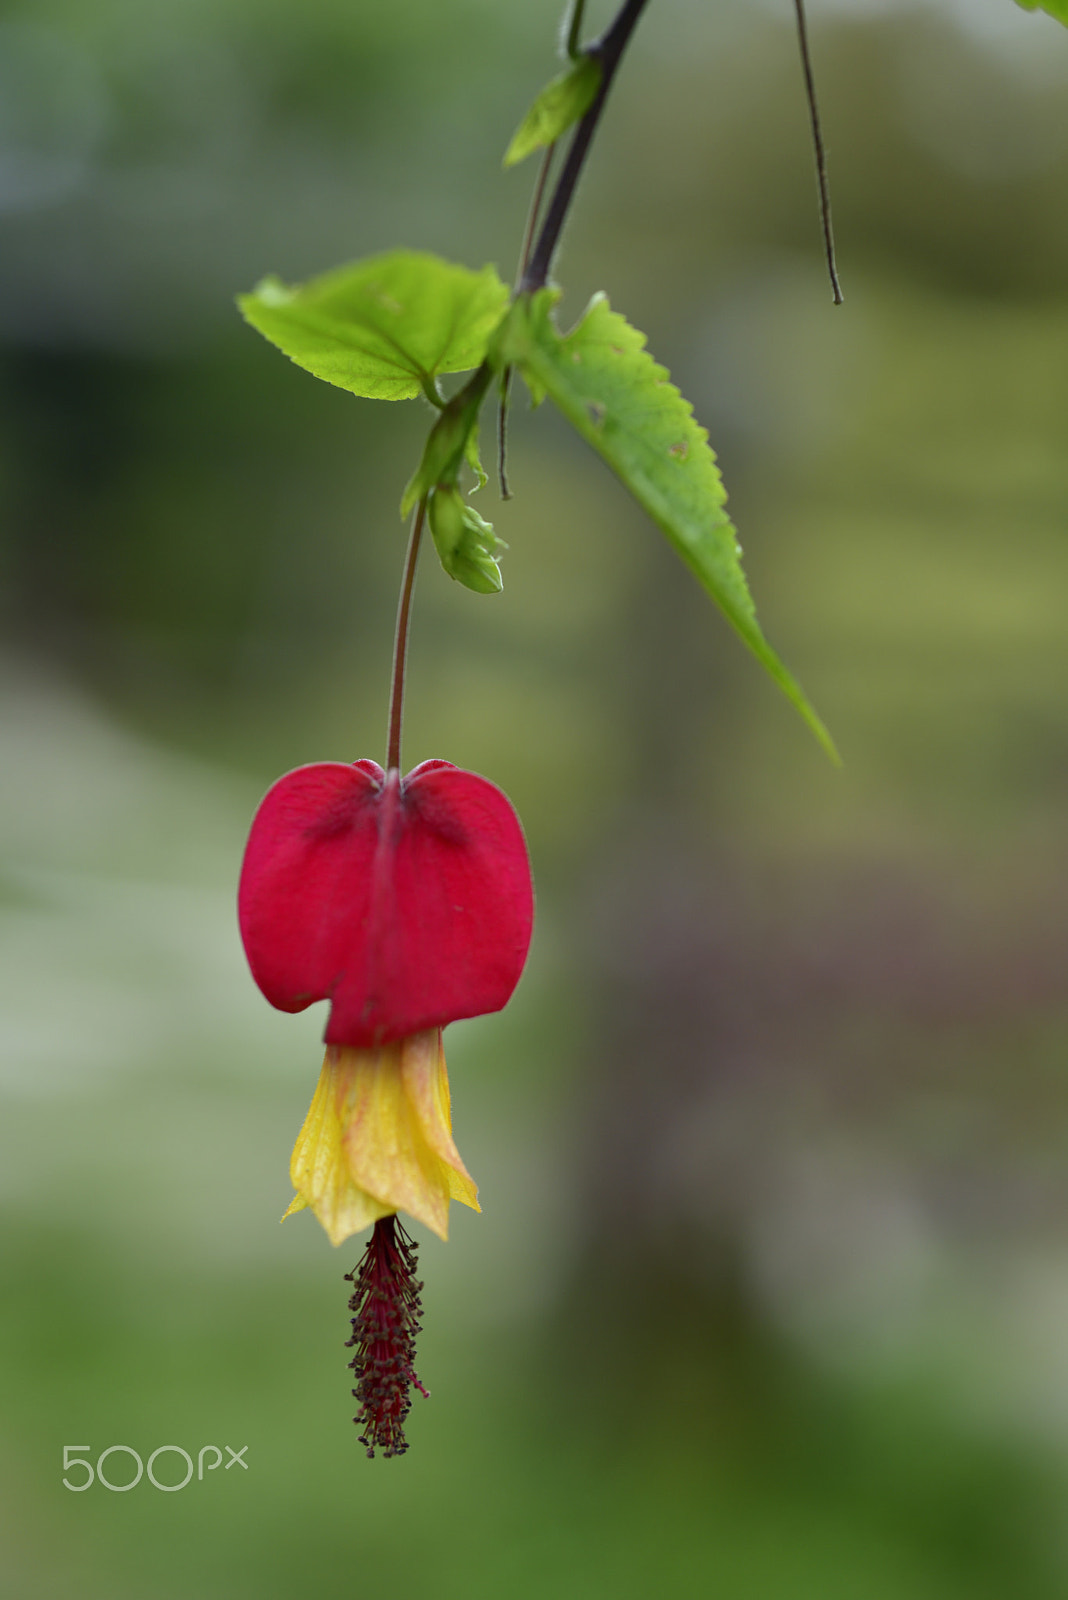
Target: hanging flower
pixel 407 903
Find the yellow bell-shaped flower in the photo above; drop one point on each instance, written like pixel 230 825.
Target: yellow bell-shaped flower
pixel 378 1139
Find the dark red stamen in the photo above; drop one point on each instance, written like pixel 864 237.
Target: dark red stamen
pixel 386 1310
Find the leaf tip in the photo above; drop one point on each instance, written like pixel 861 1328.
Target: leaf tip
pixel 827 744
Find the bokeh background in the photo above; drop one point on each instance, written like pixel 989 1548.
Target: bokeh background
pixel 769 1297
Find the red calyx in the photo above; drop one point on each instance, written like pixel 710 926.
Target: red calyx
pixel 406 903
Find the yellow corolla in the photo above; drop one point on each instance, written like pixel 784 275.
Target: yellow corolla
pixel 378 1139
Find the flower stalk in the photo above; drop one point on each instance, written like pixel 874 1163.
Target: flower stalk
pixel 400 640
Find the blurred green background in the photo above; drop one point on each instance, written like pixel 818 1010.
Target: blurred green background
pixel 769 1297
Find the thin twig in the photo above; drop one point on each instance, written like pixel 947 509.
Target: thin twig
pixel 504 487
pixel 400 642
pixel 534 213
pixel 524 256
pixel 821 154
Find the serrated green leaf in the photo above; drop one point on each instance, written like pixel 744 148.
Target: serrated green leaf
pixel 1056 8
pixel 384 327
pixel 561 103
pixel 612 391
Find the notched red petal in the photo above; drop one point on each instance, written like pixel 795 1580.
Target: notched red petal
pixel 409 904
pixel 292 897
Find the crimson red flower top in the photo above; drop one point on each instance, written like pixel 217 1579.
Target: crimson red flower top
pixel 406 902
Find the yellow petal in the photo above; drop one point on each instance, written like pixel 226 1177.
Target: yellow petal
pixel 398 1135
pixel 427 1085
pixel 378 1139
pixel 319 1171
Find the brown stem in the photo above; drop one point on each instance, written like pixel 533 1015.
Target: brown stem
pixel 821 154
pixel 400 641
pixel 503 485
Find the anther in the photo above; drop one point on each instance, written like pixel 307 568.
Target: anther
pixel 386 1310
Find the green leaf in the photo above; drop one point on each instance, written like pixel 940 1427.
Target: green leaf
pixel 560 103
pixel 384 327
pixel 1056 8
pixel 612 391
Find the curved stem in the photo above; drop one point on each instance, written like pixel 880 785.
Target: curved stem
pixel 574 29
pixel 534 213
pixel 400 641
pixel 821 153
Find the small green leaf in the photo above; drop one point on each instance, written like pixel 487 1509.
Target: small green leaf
pixel 465 542
pixel 474 459
pixel 384 327
pixel 612 391
pixel 1056 8
pixel 560 103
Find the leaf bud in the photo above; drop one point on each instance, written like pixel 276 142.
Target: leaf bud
pixel 466 543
